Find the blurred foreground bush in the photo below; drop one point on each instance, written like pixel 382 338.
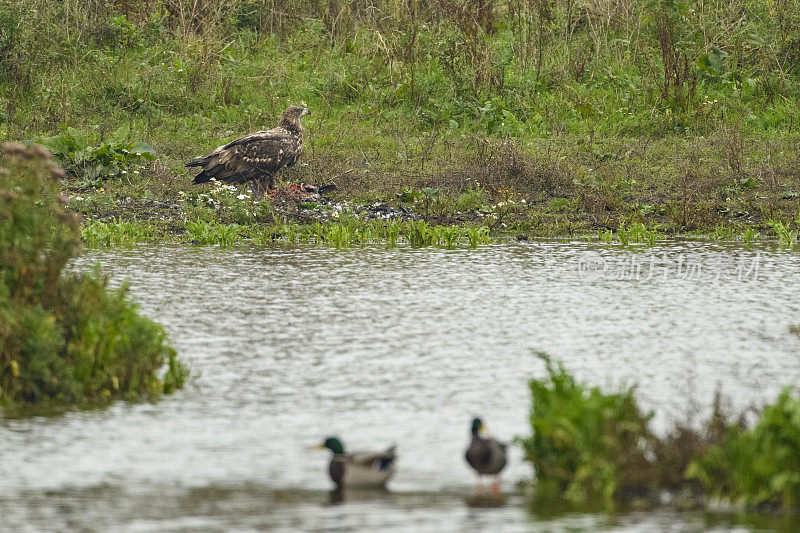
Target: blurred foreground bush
pixel 587 445
pixel 760 466
pixel 591 446
pixel 65 338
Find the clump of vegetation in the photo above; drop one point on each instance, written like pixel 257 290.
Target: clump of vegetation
pixel 350 230
pixel 205 233
pixel 787 236
pixel 760 466
pixel 637 233
pixel 587 445
pixel 676 451
pixel 471 200
pixel 65 338
pixel 591 446
pixel 121 232
pixel 113 157
pixel 338 233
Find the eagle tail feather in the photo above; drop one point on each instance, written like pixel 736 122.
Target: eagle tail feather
pixel 197 161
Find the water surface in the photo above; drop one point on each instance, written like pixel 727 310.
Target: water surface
pixel 381 346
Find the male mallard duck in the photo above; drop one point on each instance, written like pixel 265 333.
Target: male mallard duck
pixel 486 456
pixel 359 469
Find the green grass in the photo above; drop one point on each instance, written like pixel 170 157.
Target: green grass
pixel 566 109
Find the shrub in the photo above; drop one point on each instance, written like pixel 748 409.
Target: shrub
pixel 65 338
pixel 590 446
pixel 687 441
pixel 758 466
pixel 587 445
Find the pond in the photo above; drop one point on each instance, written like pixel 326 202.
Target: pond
pixel 395 345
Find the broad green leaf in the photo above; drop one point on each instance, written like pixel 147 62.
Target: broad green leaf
pixel 145 149
pixel 121 133
pixel 101 151
pixel 78 138
pixel 59 145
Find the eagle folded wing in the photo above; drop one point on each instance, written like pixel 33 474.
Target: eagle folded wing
pixel 257 156
pixel 253 156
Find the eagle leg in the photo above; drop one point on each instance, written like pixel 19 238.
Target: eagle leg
pixel 258 190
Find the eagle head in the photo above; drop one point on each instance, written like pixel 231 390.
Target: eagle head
pixel 290 119
pixel 293 114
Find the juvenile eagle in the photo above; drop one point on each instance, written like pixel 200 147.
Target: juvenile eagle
pixel 257 156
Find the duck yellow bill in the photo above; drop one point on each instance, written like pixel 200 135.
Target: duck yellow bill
pixel 320 446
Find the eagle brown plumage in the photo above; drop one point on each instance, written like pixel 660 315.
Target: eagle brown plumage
pixel 256 157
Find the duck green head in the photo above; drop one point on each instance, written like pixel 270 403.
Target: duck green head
pixel 477 426
pixel 333 444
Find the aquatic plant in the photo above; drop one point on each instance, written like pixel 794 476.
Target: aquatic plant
pixel 119 232
pixel 586 445
pixel 337 235
pixel 65 338
pixel 637 233
pixel 450 236
pixel 722 232
pixel 206 233
pixel 418 233
pixel 758 466
pixel 606 236
pixel 390 230
pixel 263 235
pixel 291 232
pixel 786 236
pixel 476 236
pixel 346 231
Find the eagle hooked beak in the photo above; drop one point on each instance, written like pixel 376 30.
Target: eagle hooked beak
pixel 306 111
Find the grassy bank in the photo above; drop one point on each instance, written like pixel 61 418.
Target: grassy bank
pixel 225 215
pixel 679 115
